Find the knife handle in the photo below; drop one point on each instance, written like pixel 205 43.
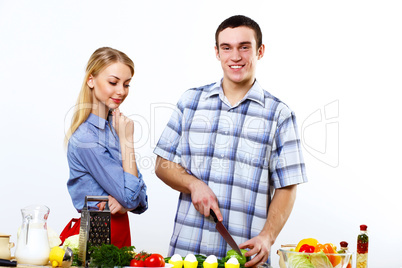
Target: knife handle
pixel 213 215
pixel 8 263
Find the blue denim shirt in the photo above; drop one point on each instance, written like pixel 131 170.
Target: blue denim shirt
pixel 96 168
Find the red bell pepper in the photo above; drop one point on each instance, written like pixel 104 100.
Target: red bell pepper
pixel 307 248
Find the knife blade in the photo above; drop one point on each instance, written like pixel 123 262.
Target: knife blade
pixel 225 233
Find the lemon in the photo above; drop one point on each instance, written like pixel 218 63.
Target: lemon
pixel 56 256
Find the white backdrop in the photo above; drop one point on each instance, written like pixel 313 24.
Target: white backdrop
pixel 337 64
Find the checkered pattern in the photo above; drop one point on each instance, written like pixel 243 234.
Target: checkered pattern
pixel 242 152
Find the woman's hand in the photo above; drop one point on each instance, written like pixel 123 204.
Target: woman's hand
pixel 123 126
pixel 125 130
pixel 114 206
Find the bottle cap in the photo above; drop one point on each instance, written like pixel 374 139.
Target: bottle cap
pixel 363 227
pixel 344 244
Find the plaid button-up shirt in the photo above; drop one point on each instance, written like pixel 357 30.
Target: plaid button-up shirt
pixel 242 152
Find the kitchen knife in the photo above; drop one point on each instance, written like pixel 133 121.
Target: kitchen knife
pixel 224 233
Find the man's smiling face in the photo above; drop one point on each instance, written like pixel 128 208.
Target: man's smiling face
pixel 237 51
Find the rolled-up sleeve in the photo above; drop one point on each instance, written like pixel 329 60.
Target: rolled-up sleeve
pixel 129 190
pixel 168 144
pixel 286 161
pixel 136 192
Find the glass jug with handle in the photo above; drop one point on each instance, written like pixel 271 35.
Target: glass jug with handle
pixel 32 242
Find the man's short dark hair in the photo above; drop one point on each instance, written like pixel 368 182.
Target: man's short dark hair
pixel 237 21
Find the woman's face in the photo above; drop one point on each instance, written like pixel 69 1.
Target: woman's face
pixel 110 87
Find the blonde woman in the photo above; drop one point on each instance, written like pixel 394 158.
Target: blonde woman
pixel 100 143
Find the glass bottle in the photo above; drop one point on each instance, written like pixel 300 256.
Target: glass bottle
pixel 362 247
pixel 344 249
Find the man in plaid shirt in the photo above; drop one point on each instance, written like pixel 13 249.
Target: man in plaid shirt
pixel 234 148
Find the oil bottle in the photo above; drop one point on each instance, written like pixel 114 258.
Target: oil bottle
pixel 362 247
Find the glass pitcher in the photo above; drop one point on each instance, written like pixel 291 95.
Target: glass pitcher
pixel 32 242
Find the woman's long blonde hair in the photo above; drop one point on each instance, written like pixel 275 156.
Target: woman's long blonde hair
pixel 99 60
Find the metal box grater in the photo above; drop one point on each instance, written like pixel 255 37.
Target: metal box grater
pixel 94 228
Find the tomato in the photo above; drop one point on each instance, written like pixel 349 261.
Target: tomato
pixel 137 263
pixel 139 259
pixel 142 255
pixel 155 260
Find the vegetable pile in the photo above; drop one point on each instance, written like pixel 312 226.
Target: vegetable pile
pixel 317 255
pixel 111 256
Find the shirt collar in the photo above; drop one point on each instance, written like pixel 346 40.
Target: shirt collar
pixel 214 89
pixel 255 93
pixel 96 121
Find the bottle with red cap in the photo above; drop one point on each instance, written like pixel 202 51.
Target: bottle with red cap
pixel 344 249
pixel 362 247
